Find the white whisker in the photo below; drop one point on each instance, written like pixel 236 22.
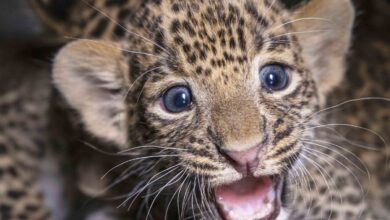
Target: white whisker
pixel 300 19
pixel 135 159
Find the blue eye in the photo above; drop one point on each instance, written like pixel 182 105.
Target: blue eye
pixel 274 77
pixel 177 99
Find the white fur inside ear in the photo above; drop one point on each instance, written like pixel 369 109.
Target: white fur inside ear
pixel 90 75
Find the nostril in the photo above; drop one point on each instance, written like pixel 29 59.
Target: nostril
pixel 244 161
pixel 243 157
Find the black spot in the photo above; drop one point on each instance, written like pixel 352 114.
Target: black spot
pixel 123 14
pixel 188 27
pixel 110 3
pixel 207 72
pixel 93 15
pixel 293 4
pixel 232 43
pixel 186 48
pixel 5 209
pixel 241 39
pixel 192 58
pixel 331 214
pixel 175 26
pixel 197 45
pixel 341 183
pixel 178 40
pixel 100 27
pixel 354 199
pixel 13 172
pixel 175 7
pixel 119 31
pixel 199 70
pixel 157 2
pixel 3 149
pixel 202 153
pixel 211 39
pixel 221 33
pixel 213 62
pixel 315 210
pixel 323 189
pixel 159 40
pixel 16 194
pixel 32 208
pixel 214 49
pixel 250 7
pixel 192 139
pixel 134 65
pixel 202 55
pixel 223 42
pixel 22 216
pixel 231 19
pixel 172 63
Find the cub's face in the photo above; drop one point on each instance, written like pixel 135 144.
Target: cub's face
pixel 218 103
pixel 230 97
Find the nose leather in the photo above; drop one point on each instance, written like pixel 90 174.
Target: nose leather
pixel 245 161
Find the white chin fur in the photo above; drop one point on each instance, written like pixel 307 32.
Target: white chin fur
pixel 283 215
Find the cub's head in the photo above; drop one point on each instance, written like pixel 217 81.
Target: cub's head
pixel 209 98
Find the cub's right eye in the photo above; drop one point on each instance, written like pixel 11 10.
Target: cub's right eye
pixel 274 77
pixel 177 99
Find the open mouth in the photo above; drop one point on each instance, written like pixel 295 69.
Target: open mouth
pixel 250 199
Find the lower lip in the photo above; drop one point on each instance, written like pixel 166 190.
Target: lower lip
pixel 271 215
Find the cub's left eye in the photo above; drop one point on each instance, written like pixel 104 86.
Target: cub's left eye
pixel 177 99
pixel 274 77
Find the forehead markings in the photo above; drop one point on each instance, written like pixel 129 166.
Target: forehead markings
pixel 204 43
pixel 203 48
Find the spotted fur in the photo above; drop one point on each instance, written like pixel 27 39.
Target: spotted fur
pixel 138 49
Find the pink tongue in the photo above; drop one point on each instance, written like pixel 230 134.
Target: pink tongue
pixel 249 199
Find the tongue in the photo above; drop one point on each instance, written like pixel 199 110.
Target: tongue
pixel 248 199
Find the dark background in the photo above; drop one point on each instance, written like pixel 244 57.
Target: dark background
pixel 17 21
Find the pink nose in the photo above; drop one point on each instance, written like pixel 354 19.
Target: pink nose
pixel 245 161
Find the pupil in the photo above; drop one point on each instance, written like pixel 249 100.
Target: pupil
pixel 181 100
pixel 177 99
pixel 272 79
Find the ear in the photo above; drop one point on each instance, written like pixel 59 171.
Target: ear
pixel 92 76
pixel 325 50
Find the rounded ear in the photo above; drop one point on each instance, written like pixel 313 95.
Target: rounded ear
pixel 325 45
pixel 92 76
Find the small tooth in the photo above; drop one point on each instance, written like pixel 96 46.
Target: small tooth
pixel 231 213
pixel 271 195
